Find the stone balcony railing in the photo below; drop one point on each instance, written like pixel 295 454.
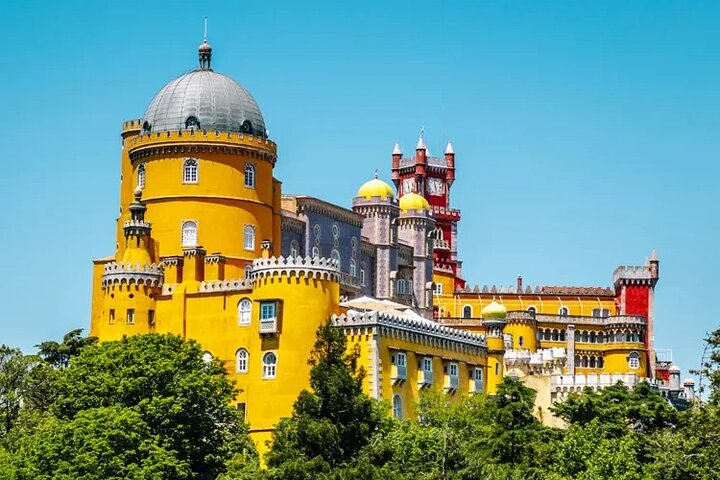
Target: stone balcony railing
pixel 600 380
pixel 587 320
pixel 349 281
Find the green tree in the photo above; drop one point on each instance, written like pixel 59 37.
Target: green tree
pixel 180 402
pixel 14 370
pixel 59 354
pixel 332 422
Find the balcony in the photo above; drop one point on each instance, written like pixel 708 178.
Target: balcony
pixel 398 373
pixel 587 320
pixel 425 378
pixel 349 281
pixel 452 383
pixel 268 326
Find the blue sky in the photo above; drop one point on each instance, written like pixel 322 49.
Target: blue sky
pixel 586 133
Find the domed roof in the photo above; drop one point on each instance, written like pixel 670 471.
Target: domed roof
pixel 413 201
pixel 494 311
pixel 204 100
pixel 375 188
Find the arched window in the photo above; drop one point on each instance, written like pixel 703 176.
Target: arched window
pixel 353 268
pixel 600 362
pixel 548 334
pixel 294 249
pixel 244 312
pixel 192 123
pixel 562 335
pixel 249 237
pixel 592 362
pixel 189 234
pixel 467 311
pixel 241 361
pixel 141 176
pixel 246 127
pixel 248 272
pixel 315 252
pixel 634 360
pixel 397 406
pixel 207 357
pixel 555 335
pixel 532 310
pixel 563 312
pixel 249 175
pixel 190 170
pixel 593 337
pixel 585 337
pixel 269 361
pixel 400 287
pixel 362 277
pixel 335 255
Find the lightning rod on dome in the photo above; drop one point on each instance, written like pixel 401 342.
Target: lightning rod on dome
pixel 205 31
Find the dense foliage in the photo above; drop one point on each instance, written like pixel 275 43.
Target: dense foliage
pixel 148 407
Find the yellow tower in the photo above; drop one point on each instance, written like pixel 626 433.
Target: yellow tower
pixel 493 319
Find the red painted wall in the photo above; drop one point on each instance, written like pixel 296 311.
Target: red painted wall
pixel 636 300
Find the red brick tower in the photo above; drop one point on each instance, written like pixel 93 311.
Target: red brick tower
pixel 432 178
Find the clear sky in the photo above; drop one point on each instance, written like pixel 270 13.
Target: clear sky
pixel 586 133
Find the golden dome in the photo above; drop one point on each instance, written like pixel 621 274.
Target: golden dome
pixel 375 188
pixel 494 311
pixel 413 201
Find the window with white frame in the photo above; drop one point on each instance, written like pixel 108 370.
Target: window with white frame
pixel 563 312
pixel 467 311
pixel 362 277
pixel 249 175
pixel 241 361
pixel 294 249
pixel 437 288
pixel 189 233
pixel 453 369
pixel 400 287
pixel 269 361
pixel 427 364
pixel 397 406
pixel 141 176
pixel 248 272
pixel 634 360
pixel 600 312
pixel 532 309
pixel 315 252
pixel 130 316
pixel 477 374
pixel 249 237
pixel 268 310
pixel 401 359
pixel 190 170
pixel 353 268
pixel 244 312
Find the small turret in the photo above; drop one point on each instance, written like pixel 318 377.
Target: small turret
pixel 396 157
pixel 137 233
pixel 450 161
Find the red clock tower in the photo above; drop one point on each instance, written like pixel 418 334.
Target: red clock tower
pixel 432 178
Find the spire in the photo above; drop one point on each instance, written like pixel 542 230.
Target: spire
pixel 397 150
pixel 449 149
pixel 376 173
pixel 205 51
pixel 653 256
pixel 421 142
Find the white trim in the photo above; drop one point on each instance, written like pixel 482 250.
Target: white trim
pixel 189 242
pixel 269 371
pixel 245 359
pixel 190 171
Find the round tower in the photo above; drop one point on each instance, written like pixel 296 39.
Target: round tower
pixel 493 320
pixel 202 156
pixel 375 201
pixel 294 297
pixel 521 325
pixel 415 225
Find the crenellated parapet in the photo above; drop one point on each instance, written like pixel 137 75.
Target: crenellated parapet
pixel 139 228
pixel 311 267
pixel 236 285
pixel 117 273
pixel 540 360
pixel 635 275
pixel 413 329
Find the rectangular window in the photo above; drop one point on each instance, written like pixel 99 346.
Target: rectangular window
pixel 401 359
pixel 478 374
pixel 453 369
pixel 427 364
pixel 151 317
pixel 242 409
pixel 130 318
pixel 437 289
pixel 362 277
pixel 267 310
pixel 600 312
pixel 112 316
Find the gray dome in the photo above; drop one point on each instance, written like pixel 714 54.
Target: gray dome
pixel 204 100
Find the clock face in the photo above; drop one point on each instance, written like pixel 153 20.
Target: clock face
pixel 434 186
pixel 408 185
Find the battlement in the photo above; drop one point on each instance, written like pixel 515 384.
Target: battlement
pixel 540 290
pixel 452 213
pixel 125 273
pixel 236 285
pixel 132 125
pixel 632 273
pixel 226 139
pixel 428 328
pixel 312 267
pixel 593 380
pixel 588 320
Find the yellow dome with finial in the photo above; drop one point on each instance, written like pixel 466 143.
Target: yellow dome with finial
pixel 375 188
pixel 494 311
pixel 413 201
